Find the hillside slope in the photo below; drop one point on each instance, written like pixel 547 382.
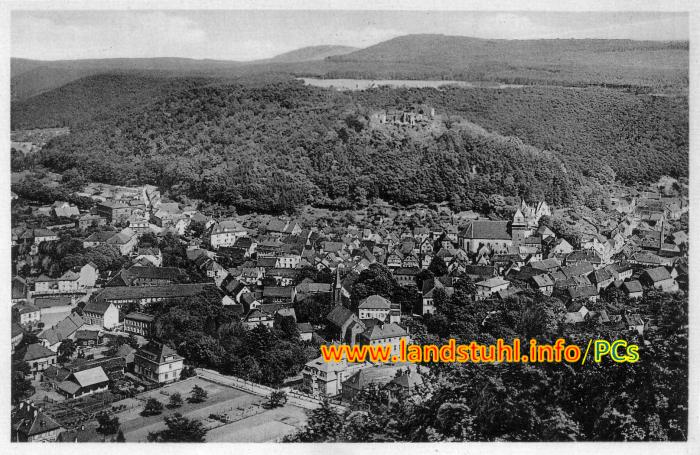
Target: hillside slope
pixel 276 147
pixel 560 62
pixel 312 53
pixel 33 77
pixel 94 97
pixel 646 64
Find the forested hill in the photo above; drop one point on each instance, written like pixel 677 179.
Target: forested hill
pixel 645 65
pixel 639 137
pixel 569 62
pixel 312 53
pixel 274 147
pixel 94 97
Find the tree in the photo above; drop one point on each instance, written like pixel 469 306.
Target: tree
pixel 21 387
pixel 324 424
pixel 120 436
pixel 287 326
pixel 277 399
pixel 187 372
pixel 377 279
pixel 175 401
pixel 108 425
pixel 66 350
pixel 437 266
pixel 197 395
pixel 153 407
pixel 180 429
pixel 132 341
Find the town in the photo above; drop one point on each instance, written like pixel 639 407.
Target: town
pixel 99 286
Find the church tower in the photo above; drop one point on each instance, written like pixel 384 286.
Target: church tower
pixel 337 289
pixel 519 229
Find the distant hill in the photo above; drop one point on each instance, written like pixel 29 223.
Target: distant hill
pixel 93 98
pixel 312 53
pixel 623 63
pixel 560 62
pixel 32 77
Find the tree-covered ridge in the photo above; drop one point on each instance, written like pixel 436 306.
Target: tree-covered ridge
pixel 567 62
pixel 94 98
pixel 277 146
pixel 641 137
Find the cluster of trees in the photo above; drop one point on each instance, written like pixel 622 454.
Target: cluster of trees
pixel 210 335
pixel 275 147
pixel 36 189
pixel 378 279
pixel 21 387
pixel 647 400
pixel 58 256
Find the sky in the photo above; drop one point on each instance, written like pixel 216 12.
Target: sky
pixel 251 35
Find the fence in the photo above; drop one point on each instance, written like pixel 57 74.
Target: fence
pixel 293 396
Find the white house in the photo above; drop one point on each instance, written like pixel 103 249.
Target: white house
pixel 101 313
pixel 226 233
pixel 486 288
pixel 88 275
pixel 374 306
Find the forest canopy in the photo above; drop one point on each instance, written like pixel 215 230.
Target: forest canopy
pixel 276 146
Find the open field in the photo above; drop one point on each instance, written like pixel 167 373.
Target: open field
pixel 250 422
pixel 363 84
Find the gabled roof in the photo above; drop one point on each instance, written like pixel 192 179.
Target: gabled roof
pixel 70 276
pixel 486 229
pixel 278 291
pixel 157 352
pixel 142 317
pixel 25 308
pixel 227 226
pixel 409 380
pixel 339 316
pixel 304 327
pixel 583 268
pixel 543 280
pixel 375 375
pixel 36 351
pixel 383 331
pixel 16 330
pixel 493 282
pixel 576 292
pixel 30 421
pixel 602 275
pixel 658 274
pixel 375 302
pixel 632 286
pixel 90 377
pixel 97 306
pixel 64 329
pixel 141 292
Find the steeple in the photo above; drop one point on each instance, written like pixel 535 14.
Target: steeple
pixel 337 291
